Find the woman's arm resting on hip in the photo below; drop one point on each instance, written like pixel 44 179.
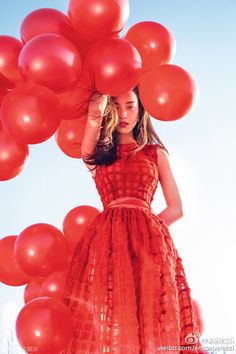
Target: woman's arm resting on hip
pixel 173 211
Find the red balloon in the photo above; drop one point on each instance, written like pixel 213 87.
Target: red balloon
pixel 95 19
pixel 47 20
pixel 115 64
pixel 10 48
pixel 168 92
pixel 13 156
pixel 10 273
pixel 76 222
pixel 69 136
pixel 155 43
pixel 54 285
pixel 31 113
pixel 37 249
pixel 42 21
pixel 32 289
pixel 50 60
pixel 44 325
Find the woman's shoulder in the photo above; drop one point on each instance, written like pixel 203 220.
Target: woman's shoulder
pixel 156 149
pixel 157 153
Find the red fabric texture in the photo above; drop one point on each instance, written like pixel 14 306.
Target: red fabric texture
pixel 126 287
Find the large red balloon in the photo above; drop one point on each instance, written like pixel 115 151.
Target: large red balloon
pixel 44 325
pixel 10 48
pixel 41 249
pixel 115 64
pixel 168 92
pixel 76 221
pixel 31 113
pixel 50 60
pixel 95 19
pixel 46 20
pixel 155 43
pixel 69 136
pixel 10 272
pixel 13 156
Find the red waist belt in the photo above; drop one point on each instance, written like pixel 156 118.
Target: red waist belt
pixel 128 202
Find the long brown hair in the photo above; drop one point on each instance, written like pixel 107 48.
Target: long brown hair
pixel 143 132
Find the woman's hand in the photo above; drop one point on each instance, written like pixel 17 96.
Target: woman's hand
pixel 97 105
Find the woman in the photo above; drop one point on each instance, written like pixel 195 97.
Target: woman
pixel 126 287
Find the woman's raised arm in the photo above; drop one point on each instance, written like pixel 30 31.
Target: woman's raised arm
pixel 97 105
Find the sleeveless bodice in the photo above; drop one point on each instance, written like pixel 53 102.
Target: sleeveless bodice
pixel 138 177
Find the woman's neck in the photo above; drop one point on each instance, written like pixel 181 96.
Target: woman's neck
pixel 126 139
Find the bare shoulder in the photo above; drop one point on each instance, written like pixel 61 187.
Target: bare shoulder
pixel 157 152
pixel 161 154
pixel 160 150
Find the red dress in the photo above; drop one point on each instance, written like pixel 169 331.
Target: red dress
pixel 126 287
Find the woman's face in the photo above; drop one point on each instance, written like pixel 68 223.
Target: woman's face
pixel 127 109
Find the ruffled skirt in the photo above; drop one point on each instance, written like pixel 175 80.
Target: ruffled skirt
pixel 127 290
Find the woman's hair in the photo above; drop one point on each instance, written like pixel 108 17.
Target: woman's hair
pixel 143 132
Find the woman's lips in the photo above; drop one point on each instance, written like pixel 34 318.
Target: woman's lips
pixel 123 124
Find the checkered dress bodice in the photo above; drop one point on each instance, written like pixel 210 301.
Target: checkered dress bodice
pixel 137 177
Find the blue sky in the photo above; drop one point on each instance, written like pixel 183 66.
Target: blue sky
pixel 202 153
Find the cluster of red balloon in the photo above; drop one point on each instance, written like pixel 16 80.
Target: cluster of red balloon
pixel 32 258
pixel 167 91
pixel 61 60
